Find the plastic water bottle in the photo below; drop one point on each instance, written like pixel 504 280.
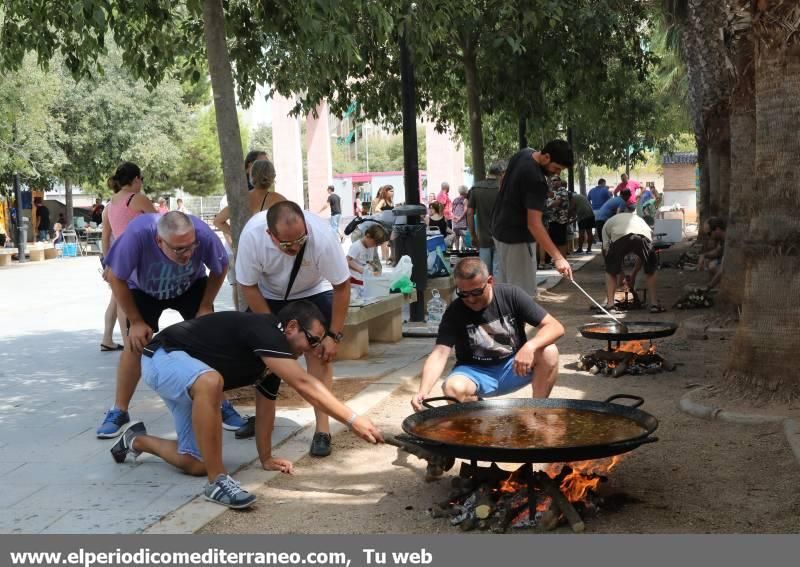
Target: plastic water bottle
pixel 436 307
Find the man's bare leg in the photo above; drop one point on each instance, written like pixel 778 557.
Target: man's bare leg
pixel 461 388
pixel 545 371
pixel 206 393
pixel 611 288
pixel 167 449
pixel 128 372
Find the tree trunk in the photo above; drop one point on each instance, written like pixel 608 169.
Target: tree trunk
pixel 474 106
pixel 68 202
pixel 742 186
pixel 764 354
pixel 712 210
pixel 724 145
pixel 582 176
pixel 230 139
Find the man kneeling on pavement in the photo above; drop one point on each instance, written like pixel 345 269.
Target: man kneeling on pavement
pixel 190 364
pixel 486 325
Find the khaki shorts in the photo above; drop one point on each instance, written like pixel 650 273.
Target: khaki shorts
pixel 517 264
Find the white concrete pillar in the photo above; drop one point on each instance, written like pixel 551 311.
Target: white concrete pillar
pixel 445 161
pixel 287 150
pixel 320 164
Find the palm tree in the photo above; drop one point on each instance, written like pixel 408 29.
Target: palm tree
pixel 743 196
pixel 764 353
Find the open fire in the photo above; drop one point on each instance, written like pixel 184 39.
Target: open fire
pixel 489 498
pixel 631 357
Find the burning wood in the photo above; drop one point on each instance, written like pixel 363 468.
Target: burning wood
pixel 630 357
pixel 491 499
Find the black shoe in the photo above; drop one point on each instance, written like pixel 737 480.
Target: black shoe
pixel 247 430
pixel 321 444
pixel 124 446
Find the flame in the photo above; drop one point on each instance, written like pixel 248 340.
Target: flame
pixel 585 476
pixel 635 347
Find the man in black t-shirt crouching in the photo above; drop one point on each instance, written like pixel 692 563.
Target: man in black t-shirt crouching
pixel 190 364
pixel 486 325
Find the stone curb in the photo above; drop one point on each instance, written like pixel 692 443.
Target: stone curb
pixel 198 512
pixel 791 429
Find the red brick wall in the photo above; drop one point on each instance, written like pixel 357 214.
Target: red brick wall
pixel 679 177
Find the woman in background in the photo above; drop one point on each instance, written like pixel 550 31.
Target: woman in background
pixel 127 203
pixel 384 201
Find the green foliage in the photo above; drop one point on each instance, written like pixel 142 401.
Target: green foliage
pixel 385 153
pixel 29 134
pixel 199 168
pixel 112 118
pixel 261 139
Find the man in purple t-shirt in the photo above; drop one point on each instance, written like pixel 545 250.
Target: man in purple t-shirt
pixel 158 263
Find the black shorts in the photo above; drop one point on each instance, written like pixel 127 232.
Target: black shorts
pixel 598 226
pixel 322 300
pixel 186 304
pixel 558 233
pixel 586 224
pixel 631 244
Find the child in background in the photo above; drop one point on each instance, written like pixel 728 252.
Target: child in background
pixel 59 236
pixel 362 253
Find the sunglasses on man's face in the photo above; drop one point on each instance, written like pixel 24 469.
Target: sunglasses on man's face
pixel 313 340
pixel 286 244
pixel 471 293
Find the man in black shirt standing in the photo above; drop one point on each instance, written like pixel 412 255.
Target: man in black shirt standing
pixel 517 218
pixel 486 325
pixel 334 203
pixel 190 364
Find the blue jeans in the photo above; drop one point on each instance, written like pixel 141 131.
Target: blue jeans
pixel 489 257
pixel 335 222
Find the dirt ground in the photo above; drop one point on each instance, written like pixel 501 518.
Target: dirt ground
pixel 700 477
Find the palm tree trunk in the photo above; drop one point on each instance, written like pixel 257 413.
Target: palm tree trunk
pixel 724 146
pixel 764 354
pixel 710 198
pixel 230 140
pixel 743 172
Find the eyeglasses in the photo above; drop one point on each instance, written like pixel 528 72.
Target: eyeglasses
pixel 286 244
pixel 183 249
pixel 313 340
pixel 472 292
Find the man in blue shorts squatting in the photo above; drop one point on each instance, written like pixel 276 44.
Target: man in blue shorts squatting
pixel 486 325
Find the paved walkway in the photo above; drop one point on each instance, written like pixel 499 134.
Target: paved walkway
pixel 56 385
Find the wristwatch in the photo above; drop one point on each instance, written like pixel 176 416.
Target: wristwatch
pixel 337 337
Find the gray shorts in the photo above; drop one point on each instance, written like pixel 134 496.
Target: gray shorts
pixel 517 264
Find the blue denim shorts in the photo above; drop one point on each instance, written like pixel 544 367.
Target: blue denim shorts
pixel 493 380
pixel 171 375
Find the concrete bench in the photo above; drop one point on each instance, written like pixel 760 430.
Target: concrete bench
pixel 50 252
pixel 6 255
pixel 36 252
pixel 381 322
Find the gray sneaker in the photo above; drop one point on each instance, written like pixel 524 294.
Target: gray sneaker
pixel 226 491
pixel 124 445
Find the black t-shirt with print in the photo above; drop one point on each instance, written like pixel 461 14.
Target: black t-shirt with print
pixel 494 334
pixel 232 343
pixel 524 188
pixel 336 204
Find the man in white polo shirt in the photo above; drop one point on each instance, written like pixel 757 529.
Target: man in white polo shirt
pixel 286 255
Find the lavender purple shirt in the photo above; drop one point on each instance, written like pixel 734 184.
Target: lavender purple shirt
pixel 136 258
